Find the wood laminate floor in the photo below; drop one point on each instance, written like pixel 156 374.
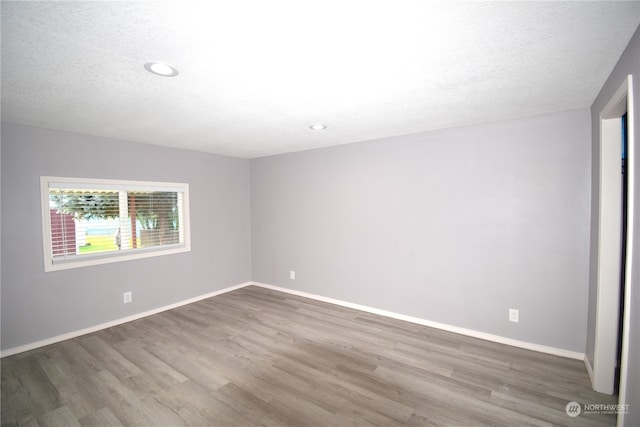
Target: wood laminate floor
pixel 256 357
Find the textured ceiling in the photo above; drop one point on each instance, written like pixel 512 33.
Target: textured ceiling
pixel 254 75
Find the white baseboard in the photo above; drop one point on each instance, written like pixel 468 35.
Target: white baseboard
pixel 458 330
pixel 587 364
pixel 74 334
pixel 463 331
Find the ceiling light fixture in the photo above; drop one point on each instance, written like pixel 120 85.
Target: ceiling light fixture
pixel 161 68
pixel 317 126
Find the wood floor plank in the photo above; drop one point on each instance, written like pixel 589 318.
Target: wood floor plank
pixel 258 411
pixel 101 417
pixel 197 406
pixel 132 405
pixel 61 417
pixel 110 357
pixel 257 357
pixel 163 374
pixel 30 392
pixel 353 396
pixel 70 392
pixel 193 365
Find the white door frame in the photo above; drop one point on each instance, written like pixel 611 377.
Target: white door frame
pixel 630 256
pixel 609 227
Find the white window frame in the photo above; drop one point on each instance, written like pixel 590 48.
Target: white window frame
pixel 87 260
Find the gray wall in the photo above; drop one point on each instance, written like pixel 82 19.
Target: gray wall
pixel 38 305
pixel 453 226
pixel 629 63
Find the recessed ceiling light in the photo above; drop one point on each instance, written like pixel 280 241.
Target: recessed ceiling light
pixel 317 126
pixel 161 68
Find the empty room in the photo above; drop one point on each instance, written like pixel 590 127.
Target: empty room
pixel 296 213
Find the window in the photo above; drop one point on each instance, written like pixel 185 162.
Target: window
pixel 96 221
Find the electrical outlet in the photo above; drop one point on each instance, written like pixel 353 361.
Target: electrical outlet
pixel 292 275
pixel 514 315
pixel 127 297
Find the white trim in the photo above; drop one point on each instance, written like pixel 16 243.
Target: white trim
pixel 75 334
pixel 455 329
pixel 587 365
pixel 609 254
pixel 109 184
pixel 458 330
pixel 631 180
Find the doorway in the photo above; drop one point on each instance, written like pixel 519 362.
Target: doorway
pixel 624 183
pixel 615 219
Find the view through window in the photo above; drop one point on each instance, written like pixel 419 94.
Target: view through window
pixel 87 221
